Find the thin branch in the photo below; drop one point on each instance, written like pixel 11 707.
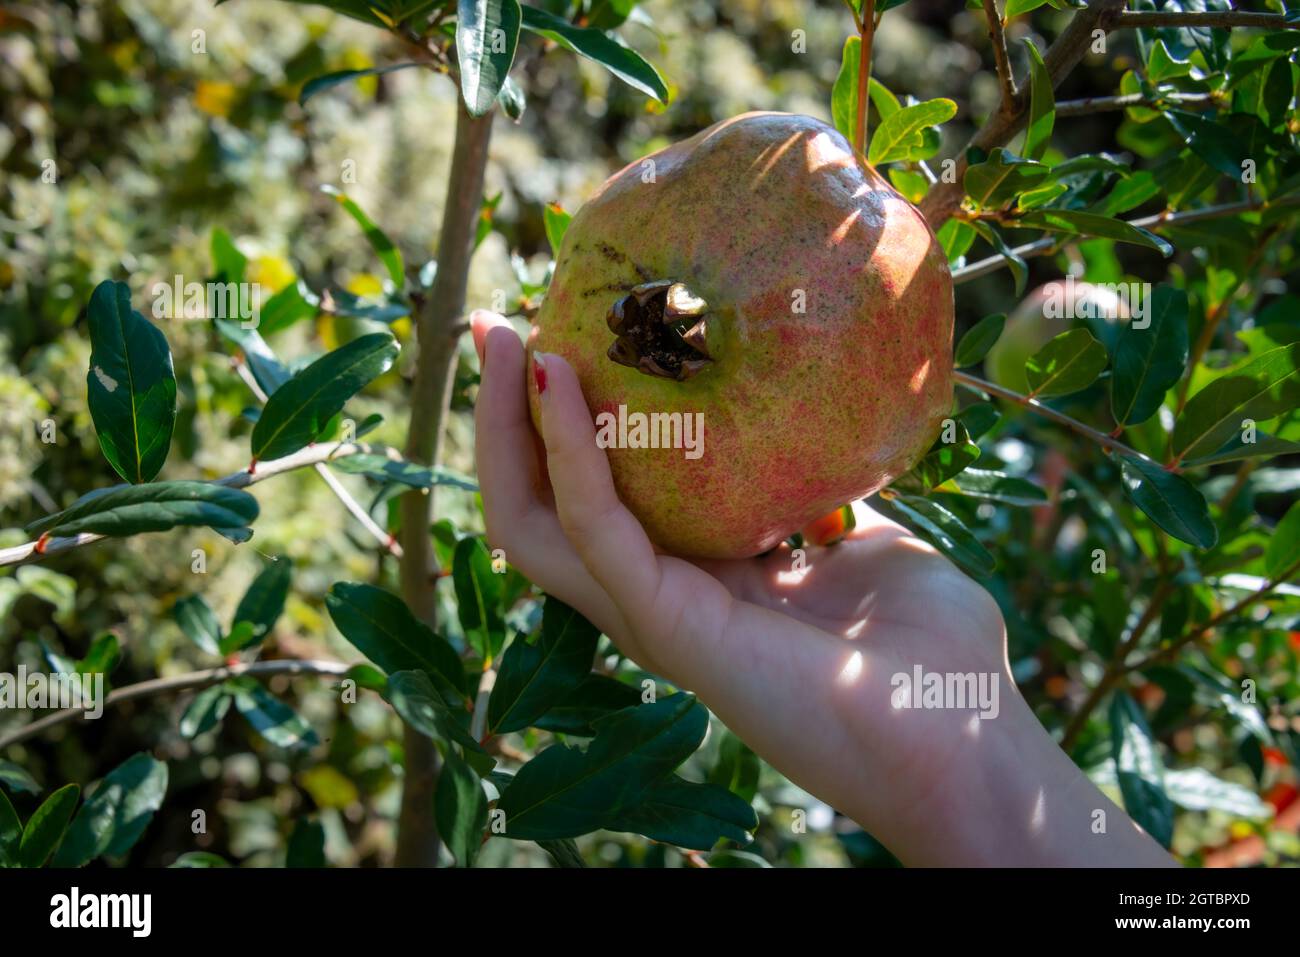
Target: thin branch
pixel 1159 220
pixel 1196 634
pixel 1224 19
pixel 1062 57
pixel 330 480
pixel 1000 58
pixel 191 680
pixel 867 30
pixel 311 455
pixel 1105 104
pixel 1107 442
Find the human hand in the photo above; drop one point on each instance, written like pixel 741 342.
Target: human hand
pixel 800 663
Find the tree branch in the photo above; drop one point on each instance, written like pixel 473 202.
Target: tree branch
pixel 1106 104
pixel 1107 442
pixel 1226 19
pixel 1159 220
pixel 1062 57
pixel 334 485
pixel 438 330
pixel 193 679
pixel 311 455
pixel 867 31
pixel 1000 58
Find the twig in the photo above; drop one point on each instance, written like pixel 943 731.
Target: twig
pixel 1225 19
pixel 193 679
pixel 1104 104
pixel 478 721
pixel 1101 438
pixel 1115 664
pixel 1000 58
pixel 1159 220
pixel 1062 57
pixel 867 30
pixel 311 455
pixel 1171 649
pixel 331 481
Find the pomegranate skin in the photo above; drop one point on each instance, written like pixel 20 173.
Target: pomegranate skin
pixel 830 322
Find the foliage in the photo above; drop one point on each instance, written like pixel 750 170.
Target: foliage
pixel 1133 513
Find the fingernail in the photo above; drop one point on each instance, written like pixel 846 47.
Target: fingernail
pixel 539 372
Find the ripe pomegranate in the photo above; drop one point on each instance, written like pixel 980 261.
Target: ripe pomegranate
pixel 761 275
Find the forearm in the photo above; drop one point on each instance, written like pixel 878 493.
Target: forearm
pixel 1011 797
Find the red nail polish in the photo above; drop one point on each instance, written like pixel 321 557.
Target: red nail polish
pixel 539 375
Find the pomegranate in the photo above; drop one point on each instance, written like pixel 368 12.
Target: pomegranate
pixel 763 282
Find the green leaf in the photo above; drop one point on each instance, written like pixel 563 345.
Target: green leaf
pixel 264 601
pixel 942 462
pixel 1149 360
pixel 1002 177
pixel 844 94
pixel 272 718
pixel 979 339
pixel 978 418
pixel 413 696
pixel 487 33
pixel 899 136
pixel 535 675
pixel 199 623
pixel 1218 146
pixel 102 656
pixel 956 237
pixel 156 507
pixel 228 262
pixel 11 832
pixel 1015 8
pixel 116 813
pixel 738 768
pixel 564 853
pixel 512 99
pixel 593 698
pixel 131 389
pixel 306 845
pixel 599 47
pixel 689 815
pixel 460 808
pixel 199 859
pixel 46 827
pixel 292 303
pixel 997 487
pixel 300 409
pixel 1237 448
pixel 16 778
pixel 1260 389
pixel 1068 363
pixel 330 80
pixel 205 711
pixel 946 532
pixel 1078 222
pixel 1169 500
pixel 1284 544
pixel 557 222
pixel 1042 105
pixel 268 371
pixel 565 792
pixel 478 597
pixel 382 628
pixel 1019 269
pixel 388 253
pixel 1198 790
pixel 1139 769
pixel 393 468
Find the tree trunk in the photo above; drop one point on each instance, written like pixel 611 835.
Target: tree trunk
pixel 438 334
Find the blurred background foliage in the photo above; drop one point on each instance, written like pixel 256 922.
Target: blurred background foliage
pixel 156 145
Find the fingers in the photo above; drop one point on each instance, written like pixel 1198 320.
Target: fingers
pixel 610 540
pixel 508 470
